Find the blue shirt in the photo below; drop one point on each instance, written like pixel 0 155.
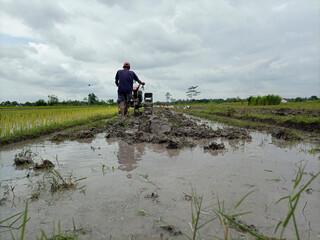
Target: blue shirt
pixel 125 80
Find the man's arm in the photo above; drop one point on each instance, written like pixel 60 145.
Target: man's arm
pixel 142 83
pixel 135 77
pixel 117 79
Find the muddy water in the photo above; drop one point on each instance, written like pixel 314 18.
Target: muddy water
pixel 115 200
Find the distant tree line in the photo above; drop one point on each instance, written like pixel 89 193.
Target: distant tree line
pixel 265 100
pixel 204 100
pixel 92 99
pixel 53 100
pixel 237 99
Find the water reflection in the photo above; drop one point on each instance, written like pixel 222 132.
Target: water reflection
pixel 128 155
pixel 162 148
pixel 238 144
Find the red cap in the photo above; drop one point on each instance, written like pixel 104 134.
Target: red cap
pixel 126 64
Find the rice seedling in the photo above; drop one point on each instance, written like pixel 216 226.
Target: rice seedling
pixel 143 213
pixel 35 195
pixel 32 121
pixel 229 220
pixel 102 168
pixel 11 221
pixel 293 200
pixel 65 235
pixel 24 216
pixel 196 208
pixel 146 177
pixel 60 183
pixel 21 215
pixel 313 151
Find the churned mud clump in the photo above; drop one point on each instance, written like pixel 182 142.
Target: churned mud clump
pixel 24 158
pixel 214 146
pixel 46 164
pixel 74 135
pixel 285 134
pixel 170 128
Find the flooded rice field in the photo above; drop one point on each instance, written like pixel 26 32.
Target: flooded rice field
pixel 127 189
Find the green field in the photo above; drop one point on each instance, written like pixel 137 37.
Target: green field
pixel 303 116
pixel 22 122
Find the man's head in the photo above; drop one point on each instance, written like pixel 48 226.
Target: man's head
pixel 126 65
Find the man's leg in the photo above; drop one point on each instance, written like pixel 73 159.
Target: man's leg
pixel 122 107
pixel 121 103
pixel 127 103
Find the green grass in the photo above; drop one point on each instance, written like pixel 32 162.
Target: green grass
pixel 305 118
pixel 226 120
pixel 95 121
pixel 309 105
pixel 228 218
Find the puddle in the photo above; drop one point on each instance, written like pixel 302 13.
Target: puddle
pixel 115 201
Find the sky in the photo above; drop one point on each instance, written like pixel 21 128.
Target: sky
pixel 228 48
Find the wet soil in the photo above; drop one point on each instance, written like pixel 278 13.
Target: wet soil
pixel 241 114
pixel 170 128
pixel 138 175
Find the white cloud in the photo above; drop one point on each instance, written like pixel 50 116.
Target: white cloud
pixel 228 48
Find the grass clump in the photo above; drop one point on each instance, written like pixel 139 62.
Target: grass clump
pixel 60 183
pixel 228 219
pixel 67 235
pixel 293 200
pixel 196 208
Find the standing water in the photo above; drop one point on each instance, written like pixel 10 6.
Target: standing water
pixel 139 191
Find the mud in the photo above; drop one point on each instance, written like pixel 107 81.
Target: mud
pixel 46 164
pixel 285 134
pixel 74 135
pixel 310 127
pixel 167 127
pixel 20 161
pixel 289 112
pixel 135 187
pixel 215 146
pixel 24 158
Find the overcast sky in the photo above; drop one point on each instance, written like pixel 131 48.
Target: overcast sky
pixel 229 48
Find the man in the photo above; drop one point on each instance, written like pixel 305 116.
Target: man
pixel 124 81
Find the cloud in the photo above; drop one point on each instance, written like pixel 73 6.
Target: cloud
pixel 227 48
pixel 36 14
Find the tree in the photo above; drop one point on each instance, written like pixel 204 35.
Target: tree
pixel 312 98
pixel 92 99
pixel 40 102
pixel 28 104
pixel 168 96
pixel 110 102
pixel 52 100
pixel 192 92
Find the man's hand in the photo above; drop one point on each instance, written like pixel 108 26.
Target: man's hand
pixel 143 83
